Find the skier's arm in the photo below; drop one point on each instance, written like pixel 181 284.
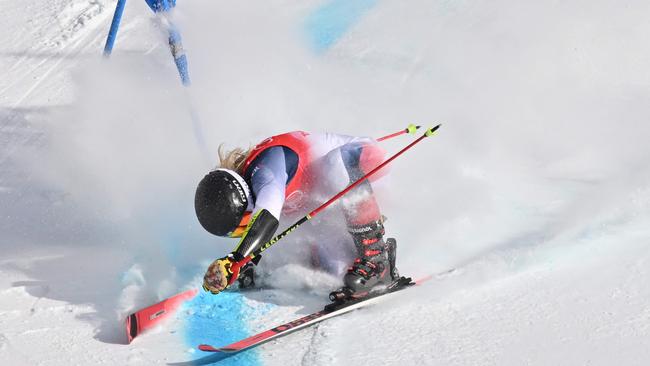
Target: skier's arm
pixel 268 183
pixel 259 230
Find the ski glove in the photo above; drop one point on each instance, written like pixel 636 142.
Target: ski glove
pixel 219 275
pixel 224 271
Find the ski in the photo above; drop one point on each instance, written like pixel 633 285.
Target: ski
pixel 329 311
pixel 149 317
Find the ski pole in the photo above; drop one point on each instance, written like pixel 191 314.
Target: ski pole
pixel 237 265
pixel 410 129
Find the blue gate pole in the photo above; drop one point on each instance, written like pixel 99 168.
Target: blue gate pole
pixel 115 24
pixel 164 7
pixel 180 59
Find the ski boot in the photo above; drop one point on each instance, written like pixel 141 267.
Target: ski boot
pixel 374 267
pixel 247 276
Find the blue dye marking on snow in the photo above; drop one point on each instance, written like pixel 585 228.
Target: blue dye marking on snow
pixel 332 20
pixel 218 321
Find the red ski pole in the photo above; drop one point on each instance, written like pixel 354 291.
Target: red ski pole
pixel 410 129
pixel 237 265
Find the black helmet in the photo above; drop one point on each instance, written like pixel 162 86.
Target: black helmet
pixel 221 200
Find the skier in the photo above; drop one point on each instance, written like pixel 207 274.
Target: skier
pixel 246 195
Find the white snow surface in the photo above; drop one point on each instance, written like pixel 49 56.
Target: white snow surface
pixel 536 188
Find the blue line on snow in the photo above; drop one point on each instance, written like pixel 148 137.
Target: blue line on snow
pixel 329 22
pixel 218 321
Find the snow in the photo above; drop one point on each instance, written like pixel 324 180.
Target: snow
pixel 536 187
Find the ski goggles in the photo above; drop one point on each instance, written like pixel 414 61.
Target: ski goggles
pixel 242 226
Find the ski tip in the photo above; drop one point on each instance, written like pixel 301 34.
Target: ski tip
pixel 208 348
pixel 131 327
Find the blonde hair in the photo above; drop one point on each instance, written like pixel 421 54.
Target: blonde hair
pixel 232 159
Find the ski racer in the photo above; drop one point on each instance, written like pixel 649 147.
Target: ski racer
pixel 245 197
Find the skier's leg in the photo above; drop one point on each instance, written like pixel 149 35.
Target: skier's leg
pixel 332 245
pixel 333 248
pixel 364 221
pixel 333 256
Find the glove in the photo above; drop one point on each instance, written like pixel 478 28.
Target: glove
pixel 220 274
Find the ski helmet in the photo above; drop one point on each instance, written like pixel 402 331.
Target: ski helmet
pixel 220 201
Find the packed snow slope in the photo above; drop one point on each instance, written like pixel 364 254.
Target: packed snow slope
pixel 537 187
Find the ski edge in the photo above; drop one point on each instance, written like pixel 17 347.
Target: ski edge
pixel 313 318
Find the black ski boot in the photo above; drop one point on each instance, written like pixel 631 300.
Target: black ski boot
pixel 247 276
pixel 375 265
